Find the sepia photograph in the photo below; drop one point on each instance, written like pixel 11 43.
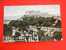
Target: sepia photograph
pixel 32 23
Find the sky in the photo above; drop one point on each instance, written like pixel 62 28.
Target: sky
pixel 15 12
